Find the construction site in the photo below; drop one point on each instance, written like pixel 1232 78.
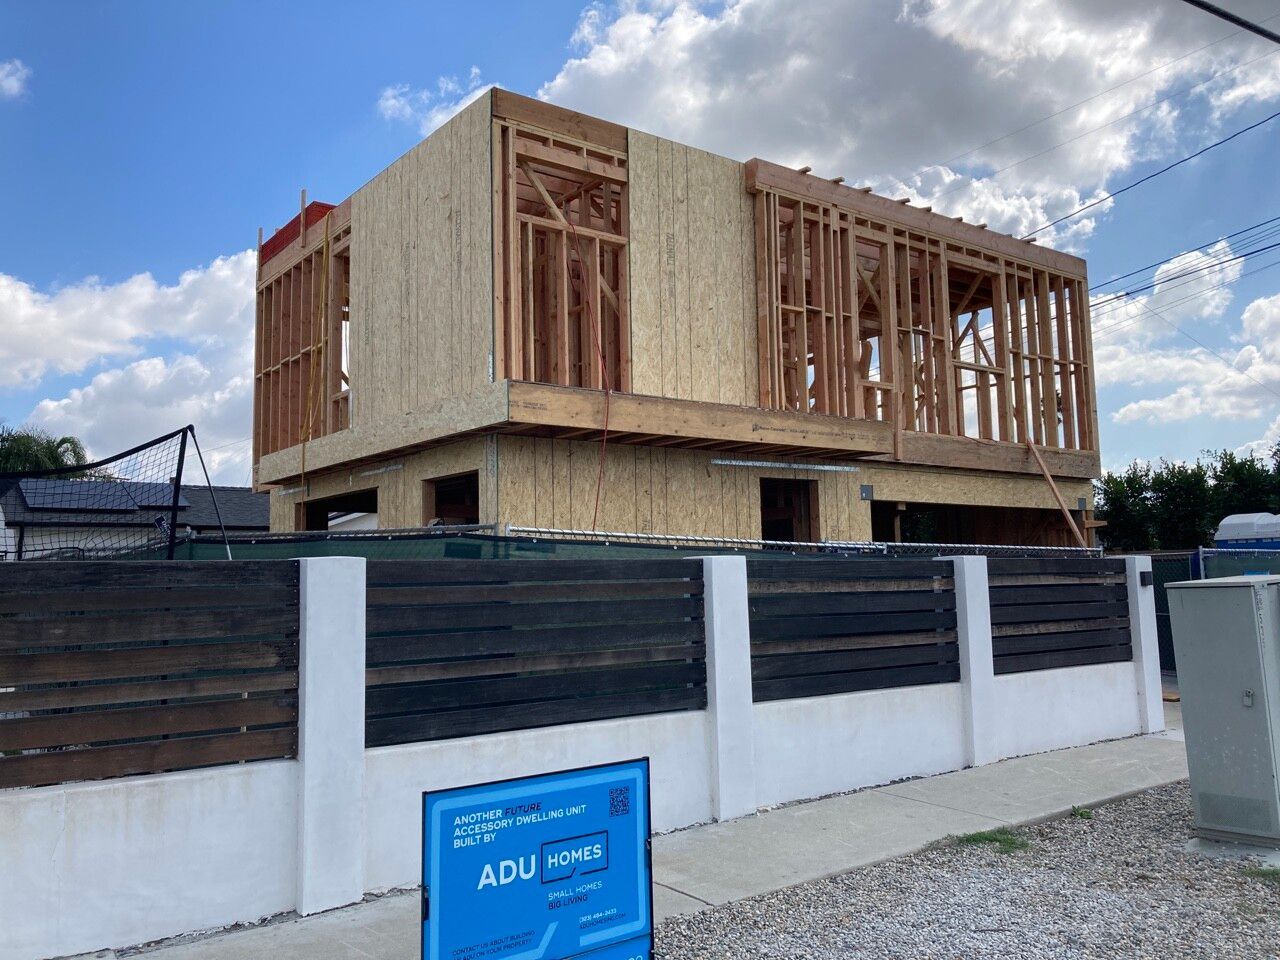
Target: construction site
pixel 541 319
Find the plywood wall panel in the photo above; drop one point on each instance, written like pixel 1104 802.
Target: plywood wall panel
pixel 422 279
pixel 692 263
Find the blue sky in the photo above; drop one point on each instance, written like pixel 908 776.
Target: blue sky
pixel 141 149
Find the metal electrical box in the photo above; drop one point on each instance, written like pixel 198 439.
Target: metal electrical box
pixel 1226 635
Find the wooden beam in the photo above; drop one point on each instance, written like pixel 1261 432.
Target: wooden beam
pixel 1057 495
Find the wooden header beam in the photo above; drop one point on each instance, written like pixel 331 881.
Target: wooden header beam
pixel 761 174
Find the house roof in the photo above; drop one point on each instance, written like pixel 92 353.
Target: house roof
pixel 98 502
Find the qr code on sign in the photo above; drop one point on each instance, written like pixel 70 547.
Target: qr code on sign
pixel 619 801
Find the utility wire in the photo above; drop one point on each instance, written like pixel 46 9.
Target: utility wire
pixel 1103 93
pixel 1164 260
pixel 1230 17
pixel 1151 176
pixel 1114 306
pixel 1210 350
pixel 1190 272
pixel 1107 330
pixel 1111 123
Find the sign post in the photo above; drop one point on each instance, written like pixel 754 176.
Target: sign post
pixel 540 868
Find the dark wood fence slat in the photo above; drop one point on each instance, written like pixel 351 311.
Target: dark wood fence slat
pixel 98 763
pixel 831 683
pixel 1067 640
pixel 447 694
pixel 98 726
pixel 849 568
pixel 811 604
pixel 146 626
pixel 853 624
pixel 146 661
pixel 104 694
pixel 143 576
pixel 1063 658
pixel 58 603
pixel 807 664
pixel 385 573
pixel 1086 566
pixel 497 666
pixel 525 592
pixel 1044 612
pixel 604 612
pixel 778 645
pixel 568 639
pixel 474 722
pixel 1063 593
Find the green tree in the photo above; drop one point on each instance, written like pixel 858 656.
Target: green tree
pixel 1181 506
pixel 1123 500
pixel 24 449
pixel 1240 485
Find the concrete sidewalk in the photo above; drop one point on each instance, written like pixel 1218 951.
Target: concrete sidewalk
pixel 718 863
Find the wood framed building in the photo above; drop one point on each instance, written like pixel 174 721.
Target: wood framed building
pixel 539 318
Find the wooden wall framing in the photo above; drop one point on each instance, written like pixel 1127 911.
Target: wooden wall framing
pixel 860 316
pixel 561 287
pixel 301 381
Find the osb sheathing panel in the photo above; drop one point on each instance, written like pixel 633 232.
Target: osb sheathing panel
pixel 692 274
pixel 970 488
pixel 552 483
pixel 421 274
pixel 400 490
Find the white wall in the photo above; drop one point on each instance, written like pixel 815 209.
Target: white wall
pixel 821 745
pixel 395 777
pixel 119 862
pixel 1050 709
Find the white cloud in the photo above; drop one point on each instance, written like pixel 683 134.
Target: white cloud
pixel 884 96
pixel 88 322
pixel 14 75
pixel 429 108
pixel 1234 385
pixel 207 380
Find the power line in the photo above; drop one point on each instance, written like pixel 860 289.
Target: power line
pixel 1111 89
pixel 1164 260
pixel 1111 123
pixel 1210 350
pixel 1151 176
pixel 1191 272
pixel 1109 329
pixel 1230 17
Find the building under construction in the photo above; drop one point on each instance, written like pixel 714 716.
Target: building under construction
pixel 539 318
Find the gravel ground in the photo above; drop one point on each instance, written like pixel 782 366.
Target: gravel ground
pixel 1116 885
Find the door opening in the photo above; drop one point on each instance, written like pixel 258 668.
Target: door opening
pixel 789 510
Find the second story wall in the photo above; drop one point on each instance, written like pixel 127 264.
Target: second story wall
pixel 422 274
pixel 693 274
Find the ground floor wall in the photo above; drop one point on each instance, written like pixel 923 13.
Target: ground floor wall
pixel 539 482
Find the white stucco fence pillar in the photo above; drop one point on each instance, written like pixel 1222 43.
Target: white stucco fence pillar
pixel 1145 642
pixel 977 664
pixel 730 711
pixel 330 733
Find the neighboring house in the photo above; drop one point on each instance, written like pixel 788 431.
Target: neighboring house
pixel 543 319
pixel 96 517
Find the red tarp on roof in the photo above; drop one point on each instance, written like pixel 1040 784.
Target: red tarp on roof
pixel 289 232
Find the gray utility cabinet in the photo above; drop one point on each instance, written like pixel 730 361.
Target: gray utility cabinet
pixel 1226 635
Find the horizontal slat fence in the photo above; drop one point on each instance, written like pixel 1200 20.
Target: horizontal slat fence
pixel 836 626
pixel 1050 613
pixel 110 669
pixel 459 648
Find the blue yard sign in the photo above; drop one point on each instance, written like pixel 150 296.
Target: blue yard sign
pixel 540 868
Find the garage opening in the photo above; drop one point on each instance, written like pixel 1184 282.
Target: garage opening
pixel 451 500
pixel 789 510
pixel 322 514
pixel 955 523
